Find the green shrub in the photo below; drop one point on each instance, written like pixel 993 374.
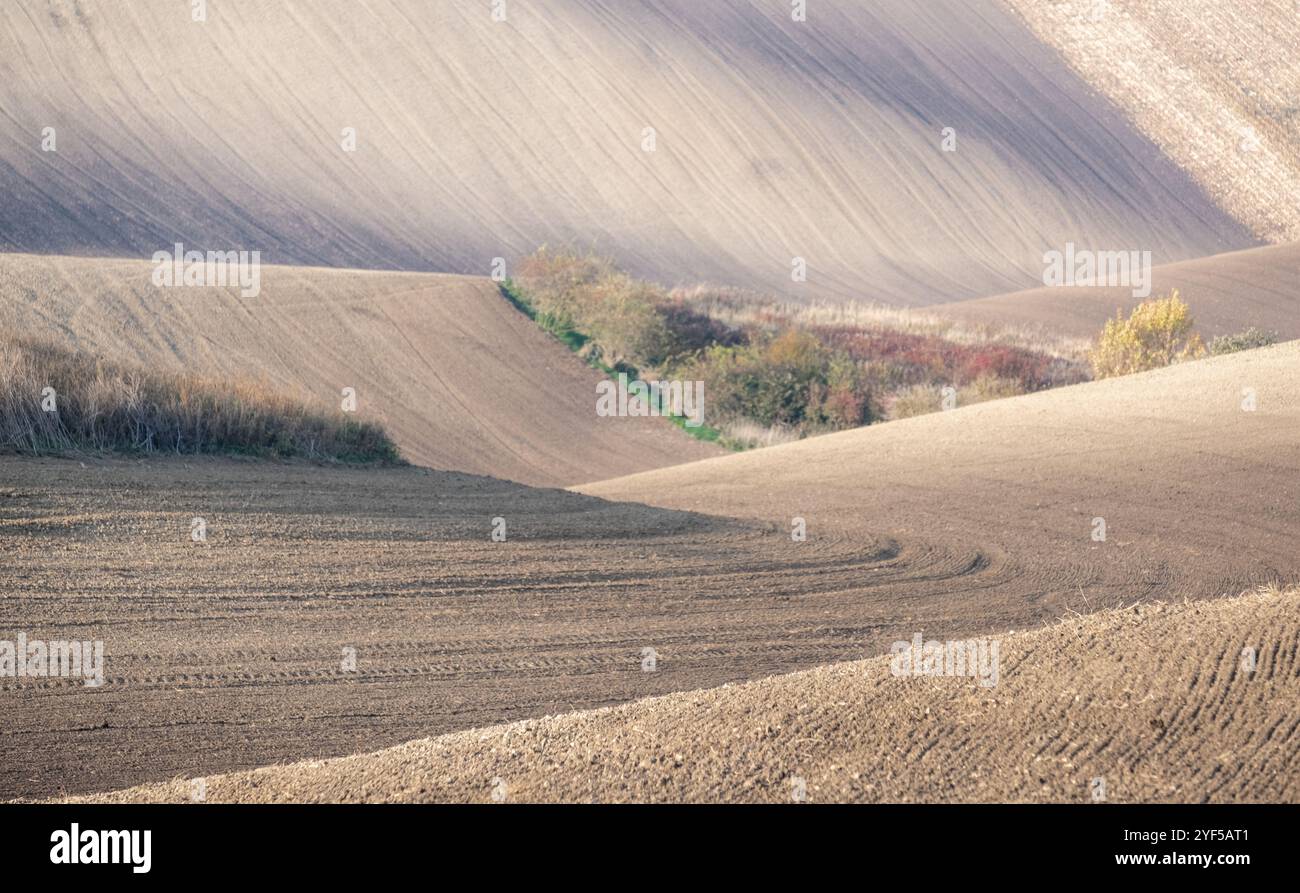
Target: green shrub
pixel 1247 340
pixel 620 322
pixel 788 381
pixel 624 321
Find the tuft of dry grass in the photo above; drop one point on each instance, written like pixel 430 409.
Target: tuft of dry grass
pixel 923 399
pixel 56 400
pixel 746 434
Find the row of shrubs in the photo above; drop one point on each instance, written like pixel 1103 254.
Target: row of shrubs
pixel 56 400
pixel 773 374
pixel 789 378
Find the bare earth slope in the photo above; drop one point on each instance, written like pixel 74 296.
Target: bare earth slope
pixel 461 379
pixel 1216 85
pixel 773 140
pixel 226 655
pixel 1155 704
pixel 1227 293
pixel 1198 495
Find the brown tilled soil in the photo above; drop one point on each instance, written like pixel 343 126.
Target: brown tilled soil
pixel 1196 702
pixel 227 654
pixel 459 378
pixel 1226 292
pixel 1163 125
pixel 773 139
pixel 1199 495
pixel 1215 85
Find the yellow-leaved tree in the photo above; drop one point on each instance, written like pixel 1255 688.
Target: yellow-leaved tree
pixel 1157 333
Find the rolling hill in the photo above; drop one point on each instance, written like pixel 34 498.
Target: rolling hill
pixel 226 655
pixel 1215 85
pixel 1226 292
pixel 461 379
pixel 693 625
pixel 773 140
pixel 1197 493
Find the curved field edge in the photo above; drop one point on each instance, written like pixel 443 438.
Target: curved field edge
pixel 1191 702
pixel 575 340
pixel 457 376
